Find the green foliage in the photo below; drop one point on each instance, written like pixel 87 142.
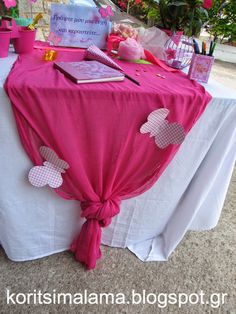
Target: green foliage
pixel 14 12
pixel 222 20
pixel 188 15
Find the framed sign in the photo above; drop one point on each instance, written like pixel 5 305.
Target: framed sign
pixel 79 26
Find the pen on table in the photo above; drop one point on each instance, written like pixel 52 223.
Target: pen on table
pixel 132 79
pixel 196 47
pixel 203 48
pixel 212 49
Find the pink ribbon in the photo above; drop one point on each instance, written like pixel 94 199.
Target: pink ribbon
pixel 113 42
pixel 154 60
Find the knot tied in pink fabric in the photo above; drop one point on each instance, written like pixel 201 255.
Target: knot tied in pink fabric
pixel 86 245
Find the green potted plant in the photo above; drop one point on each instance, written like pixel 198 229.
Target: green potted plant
pixel 184 16
pixel 9 8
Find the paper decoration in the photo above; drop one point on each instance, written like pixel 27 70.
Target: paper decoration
pixel 79 26
pixel 106 12
pixel 94 53
pixel 50 172
pixel 54 39
pixel 165 133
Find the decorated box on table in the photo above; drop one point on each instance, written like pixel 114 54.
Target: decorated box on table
pixel 200 67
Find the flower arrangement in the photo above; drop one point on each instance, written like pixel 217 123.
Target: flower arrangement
pixel 9 7
pixel 130 5
pixel 119 33
pixel 141 9
pixel 10 3
pixel 183 15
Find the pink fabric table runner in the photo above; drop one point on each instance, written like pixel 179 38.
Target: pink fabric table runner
pixel 95 129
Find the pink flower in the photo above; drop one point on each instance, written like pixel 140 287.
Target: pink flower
pixel 170 53
pixel 9 3
pixel 207 4
pixel 138 1
pixel 122 4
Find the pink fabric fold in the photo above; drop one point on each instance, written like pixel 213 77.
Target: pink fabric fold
pixel 95 129
pixel 86 245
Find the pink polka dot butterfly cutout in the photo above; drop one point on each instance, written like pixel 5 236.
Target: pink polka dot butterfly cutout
pixel 165 133
pixel 50 172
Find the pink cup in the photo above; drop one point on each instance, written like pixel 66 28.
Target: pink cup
pixel 5 35
pixel 25 42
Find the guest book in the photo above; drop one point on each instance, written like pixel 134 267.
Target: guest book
pixel 89 72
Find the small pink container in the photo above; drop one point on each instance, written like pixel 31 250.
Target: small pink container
pixel 200 68
pixel 5 35
pixel 25 42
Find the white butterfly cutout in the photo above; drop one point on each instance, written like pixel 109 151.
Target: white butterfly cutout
pixel 50 172
pixel 165 133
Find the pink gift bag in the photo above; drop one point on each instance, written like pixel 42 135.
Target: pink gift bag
pixel 200 68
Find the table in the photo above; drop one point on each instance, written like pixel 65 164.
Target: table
pixel 188 196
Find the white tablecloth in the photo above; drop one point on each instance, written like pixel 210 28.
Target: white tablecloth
pixel 188 196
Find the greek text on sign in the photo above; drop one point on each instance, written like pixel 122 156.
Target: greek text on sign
pixel 78 26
